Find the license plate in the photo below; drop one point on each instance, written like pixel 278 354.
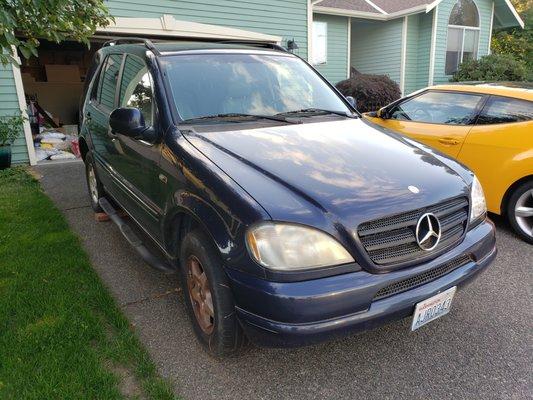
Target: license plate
pixel 433 308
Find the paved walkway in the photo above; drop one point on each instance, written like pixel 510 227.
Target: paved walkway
pixel 482 349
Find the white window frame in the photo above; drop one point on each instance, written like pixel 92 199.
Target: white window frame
pixel 464 29
pixel 316 39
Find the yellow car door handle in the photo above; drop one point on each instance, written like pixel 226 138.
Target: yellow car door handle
pixel 449 141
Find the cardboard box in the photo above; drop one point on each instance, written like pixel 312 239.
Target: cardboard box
pixel 27 77
pixel 60 99
pixel 62 73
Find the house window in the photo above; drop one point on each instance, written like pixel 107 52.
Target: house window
pixel 463 35
pixel 320 42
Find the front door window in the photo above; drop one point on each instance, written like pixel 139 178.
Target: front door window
pixel 438 108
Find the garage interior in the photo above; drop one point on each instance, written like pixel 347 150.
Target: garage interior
pixel 53 85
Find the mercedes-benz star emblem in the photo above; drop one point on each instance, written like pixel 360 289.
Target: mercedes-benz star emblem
pixel 428 232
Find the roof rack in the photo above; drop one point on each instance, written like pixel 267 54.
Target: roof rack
pixel 133 40
pixel 265 45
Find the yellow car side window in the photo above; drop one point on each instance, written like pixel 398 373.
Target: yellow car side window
pixel 501 110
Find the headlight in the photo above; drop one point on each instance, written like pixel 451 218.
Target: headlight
pixel 288 247
pixel 479 206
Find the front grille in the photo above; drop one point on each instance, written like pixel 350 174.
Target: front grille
pixel 423 278
pixel 392 240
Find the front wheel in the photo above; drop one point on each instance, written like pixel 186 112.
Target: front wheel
pixel 208 297
pixel 520 211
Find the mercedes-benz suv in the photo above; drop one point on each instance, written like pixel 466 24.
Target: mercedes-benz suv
pixel 289 218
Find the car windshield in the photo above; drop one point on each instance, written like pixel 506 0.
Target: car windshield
pixel 217 86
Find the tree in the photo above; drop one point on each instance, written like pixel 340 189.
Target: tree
pixel 24 22
pixel 517 42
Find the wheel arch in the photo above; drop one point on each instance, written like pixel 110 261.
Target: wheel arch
pixel 510 190
pixel 191 212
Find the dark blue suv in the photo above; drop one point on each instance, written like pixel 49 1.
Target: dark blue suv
pixel 289 218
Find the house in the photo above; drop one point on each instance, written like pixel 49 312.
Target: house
pixel 415 42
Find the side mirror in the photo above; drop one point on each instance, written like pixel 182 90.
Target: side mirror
pixel 352 101
pixel 382 113
pixel 127 121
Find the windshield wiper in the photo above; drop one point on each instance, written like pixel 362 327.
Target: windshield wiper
pixel 317 111
pixel 243 115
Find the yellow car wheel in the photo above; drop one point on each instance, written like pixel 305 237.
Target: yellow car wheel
pixel 520 211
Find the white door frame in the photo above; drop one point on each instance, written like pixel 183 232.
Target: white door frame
pixel 21 97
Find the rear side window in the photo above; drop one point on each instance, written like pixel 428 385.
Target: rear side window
pixel 502 110
pixel 107 83
pixel 438 108
pixel 136 88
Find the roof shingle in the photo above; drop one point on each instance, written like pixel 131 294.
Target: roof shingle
pixel 389 6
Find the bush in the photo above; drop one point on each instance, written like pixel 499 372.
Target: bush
pixel 10 127
pixel 370 91
pixel 494 67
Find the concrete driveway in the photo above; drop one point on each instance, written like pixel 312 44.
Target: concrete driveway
pixel 482 349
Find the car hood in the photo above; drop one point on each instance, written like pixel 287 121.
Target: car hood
pixel 345 169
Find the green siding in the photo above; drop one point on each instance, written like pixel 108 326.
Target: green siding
pixel 425 30
pixel 418 51
pixel 444 10
pixel 335 69
pixel 285 18
pixel 9 106
pixel 377 47
pixel 411 57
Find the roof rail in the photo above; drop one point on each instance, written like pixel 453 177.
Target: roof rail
pixel 133 40
pixel 265 45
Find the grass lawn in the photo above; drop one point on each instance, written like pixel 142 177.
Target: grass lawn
pixel 61 334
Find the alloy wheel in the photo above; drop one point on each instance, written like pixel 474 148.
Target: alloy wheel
pixel 523 212
pixel 200 295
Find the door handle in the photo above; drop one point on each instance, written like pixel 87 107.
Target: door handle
pixel 88 117
pixel 449 141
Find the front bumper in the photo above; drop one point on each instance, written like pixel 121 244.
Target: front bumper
pixel 276 314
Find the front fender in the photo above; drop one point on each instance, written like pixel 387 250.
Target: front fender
pixel 197 188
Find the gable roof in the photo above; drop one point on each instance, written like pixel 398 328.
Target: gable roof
pixel 390 9
pixel 379 7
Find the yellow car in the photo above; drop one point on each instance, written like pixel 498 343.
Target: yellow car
pixel 488 127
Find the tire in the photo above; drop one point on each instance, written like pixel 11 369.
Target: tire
pixel 94 186
pixel 520 211
pixel 215 324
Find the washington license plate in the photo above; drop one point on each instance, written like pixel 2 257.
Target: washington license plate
pixel 433 308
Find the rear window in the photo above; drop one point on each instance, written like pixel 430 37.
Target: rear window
pixel 106 85
pixel 502 110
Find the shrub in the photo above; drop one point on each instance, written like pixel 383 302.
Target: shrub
pixel 370 91
pixel 10 127
pixel 494 67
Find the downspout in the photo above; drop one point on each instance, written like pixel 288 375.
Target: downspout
pixel 349 49
pixel 404 55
